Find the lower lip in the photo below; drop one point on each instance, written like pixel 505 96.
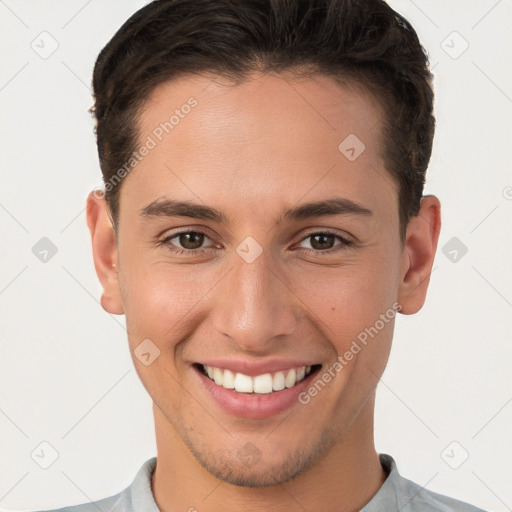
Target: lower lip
pixel 253 405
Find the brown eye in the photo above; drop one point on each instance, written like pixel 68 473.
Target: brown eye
pixel 322 241
pixel 191 240
pixel 186 242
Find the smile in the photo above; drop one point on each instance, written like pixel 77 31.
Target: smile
pixel 258 384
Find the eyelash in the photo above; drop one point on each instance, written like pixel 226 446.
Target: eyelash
pixel 345 243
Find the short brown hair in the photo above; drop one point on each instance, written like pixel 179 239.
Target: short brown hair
pixel 364 41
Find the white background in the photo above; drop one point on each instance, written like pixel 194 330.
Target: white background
pixel 66 376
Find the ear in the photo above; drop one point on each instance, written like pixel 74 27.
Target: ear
pixel 418 255
pixel 104 251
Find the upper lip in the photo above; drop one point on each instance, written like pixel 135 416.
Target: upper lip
pixel 256 368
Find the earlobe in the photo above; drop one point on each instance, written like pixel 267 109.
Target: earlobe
pixel 419 253
pixel 104 251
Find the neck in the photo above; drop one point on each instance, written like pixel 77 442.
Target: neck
pixel 344 480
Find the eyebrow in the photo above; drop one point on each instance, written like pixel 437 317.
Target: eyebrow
pixel 329 207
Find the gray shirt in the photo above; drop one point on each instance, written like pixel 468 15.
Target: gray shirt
pixel 397 494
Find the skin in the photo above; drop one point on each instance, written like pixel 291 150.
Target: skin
pixel 252 150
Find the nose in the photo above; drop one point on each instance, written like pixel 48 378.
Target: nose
pixel 255 306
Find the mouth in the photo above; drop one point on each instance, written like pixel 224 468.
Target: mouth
pixel 264 384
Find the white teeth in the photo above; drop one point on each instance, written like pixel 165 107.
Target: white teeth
pixel 263 383
pixel 260 384
pixel 243 383
pixel 218 375
pixel 278 381
pixel 229 379
pixel 291 378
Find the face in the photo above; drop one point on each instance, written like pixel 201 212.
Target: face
pixel 259 244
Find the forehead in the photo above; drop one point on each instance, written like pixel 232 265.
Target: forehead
pixel 270 136
pixel 263 105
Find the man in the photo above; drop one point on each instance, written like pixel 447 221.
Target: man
pixel 262 225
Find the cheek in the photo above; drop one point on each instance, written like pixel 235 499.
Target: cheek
pixel 162 304
pixel 159 298
pixel 349 298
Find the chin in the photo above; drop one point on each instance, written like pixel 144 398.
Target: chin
pixel 251 467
